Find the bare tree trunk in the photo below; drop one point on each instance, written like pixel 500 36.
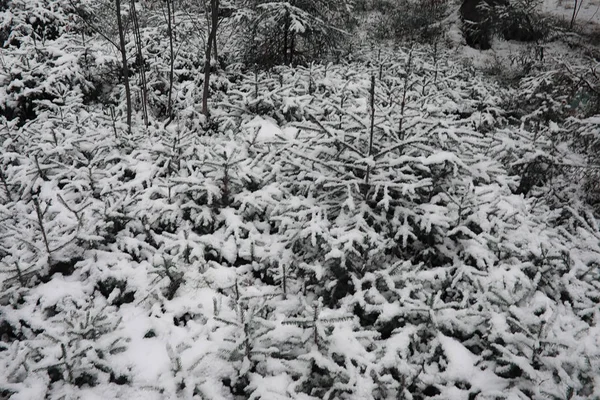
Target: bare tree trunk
pixel 214 24
pixel 371 133
pixel 573 16
pixel 576 9
pixel 215 52
pixel 170 23
pixel 140 58
pixel 405 88
pixel 211 37
pixel 124 67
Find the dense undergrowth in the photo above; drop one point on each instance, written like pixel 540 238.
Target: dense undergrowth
pixel 310 241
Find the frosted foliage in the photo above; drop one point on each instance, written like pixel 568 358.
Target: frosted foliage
pixel 282 249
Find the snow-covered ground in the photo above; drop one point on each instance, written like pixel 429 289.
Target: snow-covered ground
pixel 439 244
pixel 587 12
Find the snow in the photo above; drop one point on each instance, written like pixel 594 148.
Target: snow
pixel 65 59
pixel 147 358
pixel 32 391
pixel 271 387
pixel 267 130
pixel 114 392
pixel 587 12
pixel 397 347
pixel 308 280
pixel 462 367
pixel 61 288
pixel 220 277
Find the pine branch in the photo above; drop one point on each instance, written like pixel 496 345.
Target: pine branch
pixel 332 135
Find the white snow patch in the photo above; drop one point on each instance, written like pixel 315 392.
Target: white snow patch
pixel 220 277
pixel 267 130
pixel 462 367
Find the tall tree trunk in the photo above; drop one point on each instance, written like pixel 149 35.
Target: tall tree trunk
pixel 124 67
pixel 207 56
pixel 140 57
pixel 371 133
pixel 214 26
pixel 574 16
pixel 170 23
pixel 215 52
